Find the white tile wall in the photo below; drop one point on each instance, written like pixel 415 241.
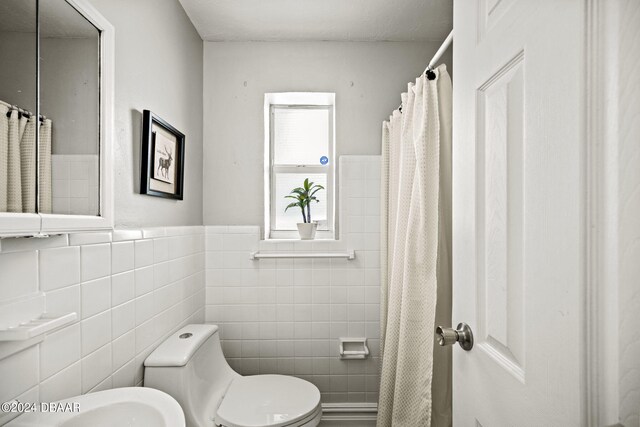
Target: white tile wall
pixel 132 288
pixel 124 311
pixel 74 185
pixel 284 316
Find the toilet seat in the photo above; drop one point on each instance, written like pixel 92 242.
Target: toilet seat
pixel 269 401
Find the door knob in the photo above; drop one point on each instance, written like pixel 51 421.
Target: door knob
pixel 461 335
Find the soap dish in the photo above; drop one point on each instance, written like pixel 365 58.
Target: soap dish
pixel 26 317
pixel 38 326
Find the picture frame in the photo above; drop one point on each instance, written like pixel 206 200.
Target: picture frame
pixel 161 158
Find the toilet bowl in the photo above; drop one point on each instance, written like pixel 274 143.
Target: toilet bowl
pixel 190 366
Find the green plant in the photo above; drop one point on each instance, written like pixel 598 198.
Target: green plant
pixel 303 197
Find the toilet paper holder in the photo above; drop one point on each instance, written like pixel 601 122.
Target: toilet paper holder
pixel 353 348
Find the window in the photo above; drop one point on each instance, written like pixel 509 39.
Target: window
pixel 300 145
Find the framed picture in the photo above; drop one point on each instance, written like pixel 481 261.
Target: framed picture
pixel 162 158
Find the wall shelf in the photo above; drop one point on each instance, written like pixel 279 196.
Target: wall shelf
pixel 38 326
pixel 26 317
pixel 350 255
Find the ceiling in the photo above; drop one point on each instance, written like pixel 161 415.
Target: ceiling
pixel 336 20
pixel 57 19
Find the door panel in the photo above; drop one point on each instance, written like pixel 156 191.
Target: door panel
pixel 500 216
pixel 518 211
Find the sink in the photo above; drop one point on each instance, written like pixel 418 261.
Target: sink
pixel 128 406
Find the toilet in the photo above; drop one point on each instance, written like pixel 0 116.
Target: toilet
pixel 190 366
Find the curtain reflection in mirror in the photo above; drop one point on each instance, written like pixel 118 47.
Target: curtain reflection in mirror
pixel 18 161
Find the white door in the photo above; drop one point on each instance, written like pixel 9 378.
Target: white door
pixel 519 212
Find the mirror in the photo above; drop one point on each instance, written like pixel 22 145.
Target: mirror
pixel 52 146
pixel 18 99
pixel 69 110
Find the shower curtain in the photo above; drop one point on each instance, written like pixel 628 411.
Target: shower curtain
pixel 44 168
pixel 415 384
pixel 18 162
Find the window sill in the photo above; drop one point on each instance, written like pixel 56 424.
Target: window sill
pixel 292 235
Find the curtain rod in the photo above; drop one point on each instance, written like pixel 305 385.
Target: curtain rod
pixel 443 47
pixel 429 70
pixel 20 110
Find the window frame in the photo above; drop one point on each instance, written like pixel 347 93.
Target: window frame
pixel 303 102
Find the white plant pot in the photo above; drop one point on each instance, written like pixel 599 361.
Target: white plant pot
pixel 307 231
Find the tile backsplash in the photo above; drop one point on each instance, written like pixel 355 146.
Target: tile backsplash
pixel 74 185
pixel 130 289
pixel 285 315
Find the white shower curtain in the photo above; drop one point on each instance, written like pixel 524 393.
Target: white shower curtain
pixel 28 164
pixel 4 156
pixel 14 178
pixel 18 162
pixel 44 168
pixel 415 385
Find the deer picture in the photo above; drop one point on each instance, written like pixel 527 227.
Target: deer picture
pixel 164 163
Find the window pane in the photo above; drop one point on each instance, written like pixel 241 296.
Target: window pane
pixel 285 182
pixel 301 135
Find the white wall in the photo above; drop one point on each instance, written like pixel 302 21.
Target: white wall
pixel 285 316
pixel 626 111
pixel 158 57
pixel 130 289
pixel 619 211
pixel 366 77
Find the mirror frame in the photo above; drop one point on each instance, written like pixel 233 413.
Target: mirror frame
pixel 39 224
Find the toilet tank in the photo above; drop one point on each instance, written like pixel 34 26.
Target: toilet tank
pixel 189 366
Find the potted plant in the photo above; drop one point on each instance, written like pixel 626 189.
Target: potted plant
pixel 303 197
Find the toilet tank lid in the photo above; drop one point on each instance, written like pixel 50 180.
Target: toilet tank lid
pixel 178 349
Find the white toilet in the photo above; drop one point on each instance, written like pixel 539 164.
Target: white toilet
pixel 190 366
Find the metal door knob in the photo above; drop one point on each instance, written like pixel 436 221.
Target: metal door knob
pixel 461 335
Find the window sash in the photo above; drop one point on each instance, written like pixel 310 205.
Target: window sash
pixel 328 169
pixel 329 111
pixel 303 172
